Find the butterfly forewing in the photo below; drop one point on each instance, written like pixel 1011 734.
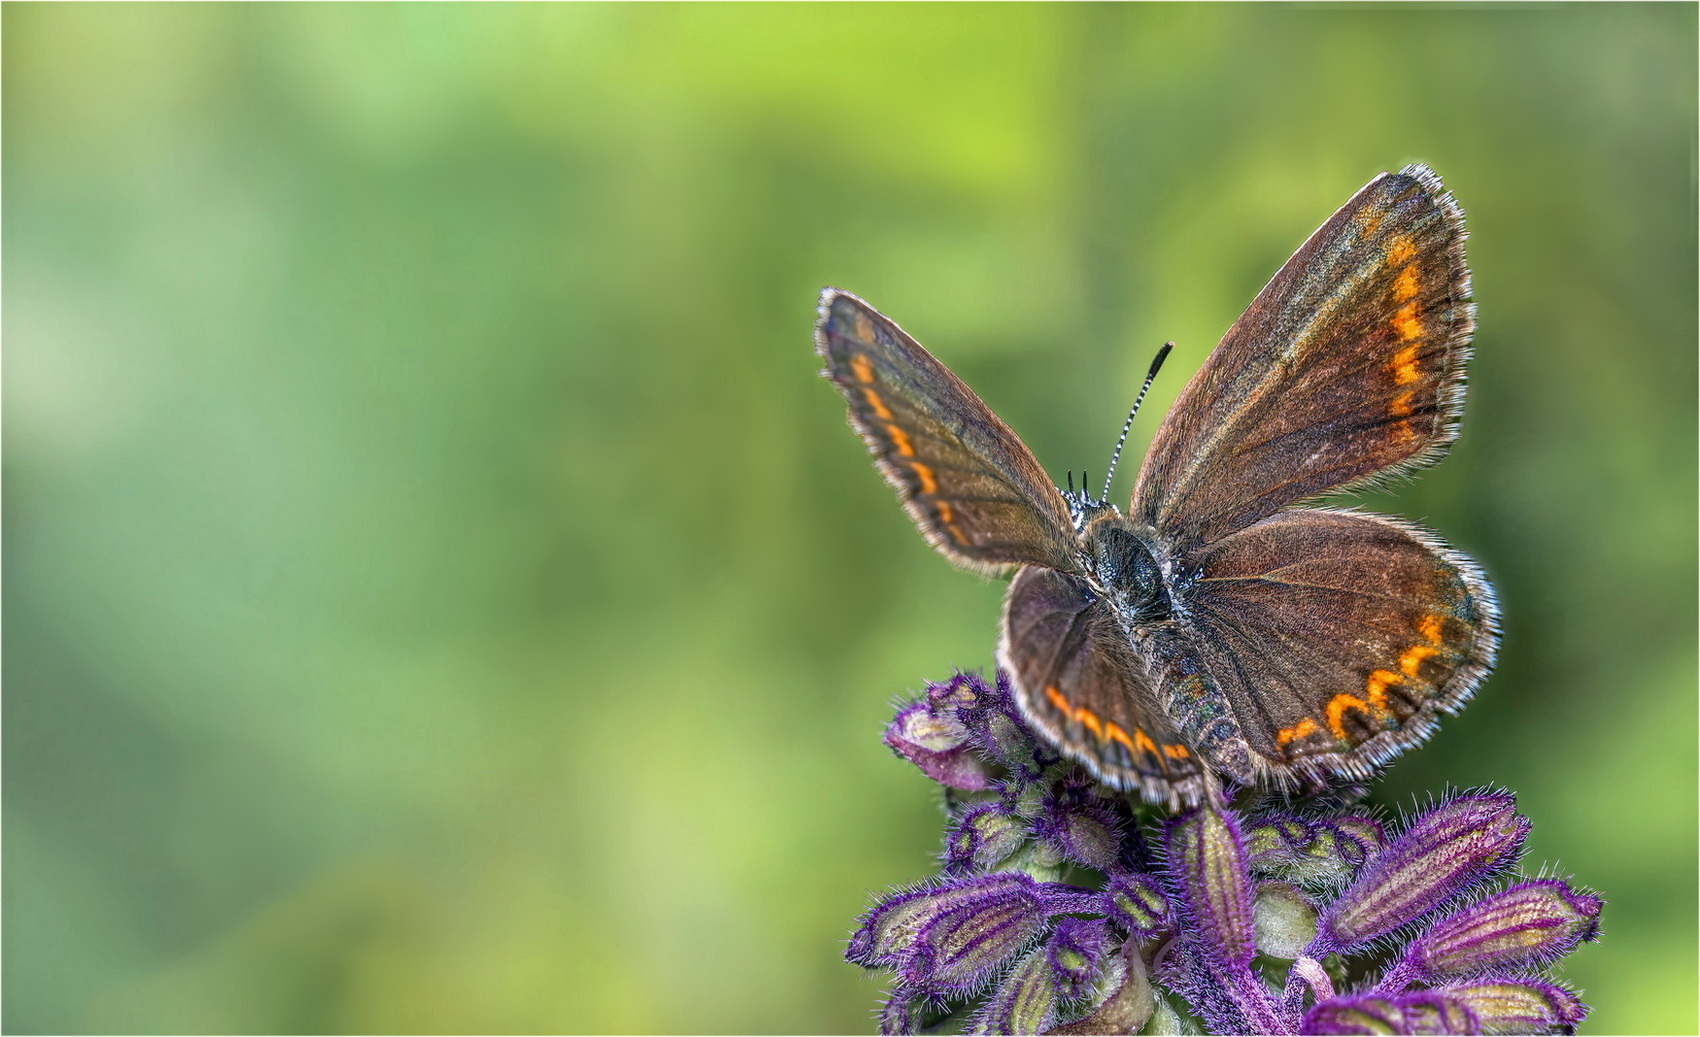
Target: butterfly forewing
pixel 1337 638
pixel 1078 680
pixel 1348 364
pixel 968 482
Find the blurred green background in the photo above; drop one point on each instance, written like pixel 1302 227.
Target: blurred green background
pixel 441 596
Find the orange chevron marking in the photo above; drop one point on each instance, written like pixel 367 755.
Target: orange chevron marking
pixel 1406 285
pixel 1116 734
pixel 900 440
pixel 1058 701
pixel 877 404
pixel 947 515
pixel 1307 726
pixel 1336 709
pixel 1413 658
pixel 1401 250
pixel 1090 719
pixel 1176 752
pixel 1376 688
pixel 860 367
pixel 1406 323
pixel 1142 741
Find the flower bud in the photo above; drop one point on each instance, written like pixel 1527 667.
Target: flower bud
pixel 1445 851
pixel 901 1013
pixel 1285 921
pixel 983 837
pixel 1025 1000
pixel 972 936
pixel 930 734
pixel 1310 851
pixel 1207 862
pixel 1529 924
pixel 1421 1011
pixel 1519 1005
pixel 1134 902
pixel 894 927
pixel 1079 826
pixel 1075 951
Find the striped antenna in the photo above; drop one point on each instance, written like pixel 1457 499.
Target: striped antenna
pixel 1150 376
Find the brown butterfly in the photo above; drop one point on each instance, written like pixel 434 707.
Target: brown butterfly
pixel 1216 626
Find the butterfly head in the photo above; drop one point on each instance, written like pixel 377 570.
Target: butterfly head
pixel 1083 508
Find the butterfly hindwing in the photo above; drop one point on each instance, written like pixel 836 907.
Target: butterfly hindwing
pixel 1336 638
pixel 968 482
pixel 1349 364
pixel 1078 680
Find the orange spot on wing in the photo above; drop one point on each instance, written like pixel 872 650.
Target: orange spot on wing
pixel 1143 742
pixel 1404 364
pixel 1429 627
pixel 1405 286
pixel 1307 726
pixel 1376 688
pixel 1336 710
pixel 1176 752
pixel 946 515
pixel 1057 700
pixel 1115 734
pixel 900 440
pixel 1090 719
pixel 928 483
pixel 877 404
pixel 1401 250
pixel 1406 322
pixel 1413 658
pixel 864 329
pixel 860 367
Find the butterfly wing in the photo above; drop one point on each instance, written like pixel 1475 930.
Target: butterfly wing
pixel 968 482
pixel 1079 682
pixel 1349 364
pixel 1335 638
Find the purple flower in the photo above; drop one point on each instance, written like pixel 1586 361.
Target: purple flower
pixel 1268 917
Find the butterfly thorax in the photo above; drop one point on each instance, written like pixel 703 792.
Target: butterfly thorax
pixel 1120 562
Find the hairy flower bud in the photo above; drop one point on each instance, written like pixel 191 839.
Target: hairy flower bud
pixel 983 837
pixel 1134 902
pixel 1518 1005
pixel 930 733
pixel 1445 851
pixel 1079 826
pixel 1207 862
pixel 1422 1011
pixel 1529 924
pixel 1310 851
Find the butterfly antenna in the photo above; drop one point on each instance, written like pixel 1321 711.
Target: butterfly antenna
pixel 1071 480
pixel 1150 376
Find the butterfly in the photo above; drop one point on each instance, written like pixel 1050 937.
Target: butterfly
pixel 1219 626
